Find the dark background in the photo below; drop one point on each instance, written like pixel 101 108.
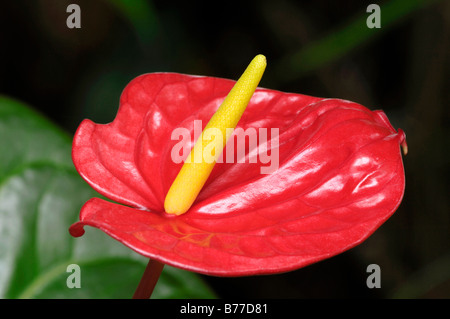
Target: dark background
pixel 402 68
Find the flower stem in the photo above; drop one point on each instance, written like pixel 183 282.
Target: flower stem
pixel 148 280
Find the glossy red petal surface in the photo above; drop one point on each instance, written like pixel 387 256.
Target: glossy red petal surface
pixel 339 177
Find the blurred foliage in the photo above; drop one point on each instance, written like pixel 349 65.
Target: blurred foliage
pixel 40 197
pixel 141 15
pixel 320 48
pixel 343 40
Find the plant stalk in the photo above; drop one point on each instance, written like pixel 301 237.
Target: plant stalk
pixel 148 280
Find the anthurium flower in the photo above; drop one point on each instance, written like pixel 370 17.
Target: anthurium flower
pixel 339 176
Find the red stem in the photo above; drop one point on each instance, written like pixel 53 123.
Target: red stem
pixel 148 280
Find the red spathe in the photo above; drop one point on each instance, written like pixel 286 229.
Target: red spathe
pixel 340 176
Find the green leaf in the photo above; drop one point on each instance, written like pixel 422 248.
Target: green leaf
pixel 40 197
pixel 341 41
pixel 141 15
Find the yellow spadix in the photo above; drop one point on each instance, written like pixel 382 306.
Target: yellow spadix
pixel 195 172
